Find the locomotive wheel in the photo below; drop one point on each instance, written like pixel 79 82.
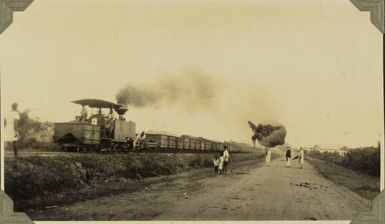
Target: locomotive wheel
pixel 114 148
pixel 117 148
pixel 106 146
pixel 63 148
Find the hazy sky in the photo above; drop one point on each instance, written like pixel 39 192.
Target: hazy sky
pixel 314 66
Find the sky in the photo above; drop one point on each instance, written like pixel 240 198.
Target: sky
pixel 207 68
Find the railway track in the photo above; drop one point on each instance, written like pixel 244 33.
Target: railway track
pixel 49 154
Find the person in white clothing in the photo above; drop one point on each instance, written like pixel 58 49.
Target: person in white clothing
pixel 83 113
pixel 140 140
pixel 226 156
pixel 11 128
pixel 301 158
pixel 216 164
pixel 220 167
pixel 268 157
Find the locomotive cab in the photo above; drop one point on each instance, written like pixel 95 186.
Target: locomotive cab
pixel 99 132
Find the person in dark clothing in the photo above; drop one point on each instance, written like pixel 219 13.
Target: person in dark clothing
pixel 288 156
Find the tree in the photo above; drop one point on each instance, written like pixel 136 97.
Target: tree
pixel 268 135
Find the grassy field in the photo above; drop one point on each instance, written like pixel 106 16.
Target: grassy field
pixel 367 186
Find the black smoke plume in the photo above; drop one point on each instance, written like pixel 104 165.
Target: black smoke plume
pixel 193 89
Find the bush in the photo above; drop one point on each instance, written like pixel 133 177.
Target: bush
pixel 366 160
pixel 32 143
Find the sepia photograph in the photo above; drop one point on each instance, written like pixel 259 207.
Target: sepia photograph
pixel 248 110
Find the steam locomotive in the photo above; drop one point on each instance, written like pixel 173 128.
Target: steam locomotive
pixel 95 133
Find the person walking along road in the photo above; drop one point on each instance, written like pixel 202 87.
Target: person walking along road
pixel 288 156
pixel 301 158
pixel 268 157
pixel 226 156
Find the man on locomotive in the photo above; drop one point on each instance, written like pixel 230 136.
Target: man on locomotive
pixel 140 140
pixel 110 124
pixel 83 113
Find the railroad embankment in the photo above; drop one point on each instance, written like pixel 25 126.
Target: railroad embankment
pixel 39 181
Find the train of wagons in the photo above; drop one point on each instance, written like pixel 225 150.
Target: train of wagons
pixel 95 134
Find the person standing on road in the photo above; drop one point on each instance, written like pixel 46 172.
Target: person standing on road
pixel 216 164
pixel 268 157
pixel 288 156
pixel 11 128
pixel 301 157
pixel 226 156
pixel 221 162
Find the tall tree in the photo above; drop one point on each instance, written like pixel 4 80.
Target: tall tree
pixel 268 135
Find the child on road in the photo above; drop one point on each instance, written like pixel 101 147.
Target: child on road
pixel 216 164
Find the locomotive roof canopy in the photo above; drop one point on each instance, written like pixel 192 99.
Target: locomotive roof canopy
pixel 96 103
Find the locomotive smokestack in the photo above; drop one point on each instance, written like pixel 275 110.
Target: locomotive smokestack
pixel 121 110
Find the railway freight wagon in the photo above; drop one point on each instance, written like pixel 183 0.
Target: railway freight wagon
pixel 209 146
pixel 202 142
pixel 179 143
pixel 203 145
pixel 216 146
pixel 198 143
pixel 192 144
pixel 163 142
pixel 186 143
pixel 171 142
pixel 156 141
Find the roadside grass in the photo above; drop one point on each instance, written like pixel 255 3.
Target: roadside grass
pixel 36 146
pixel 365 185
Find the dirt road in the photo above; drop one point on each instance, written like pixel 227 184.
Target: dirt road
pixel 252 192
